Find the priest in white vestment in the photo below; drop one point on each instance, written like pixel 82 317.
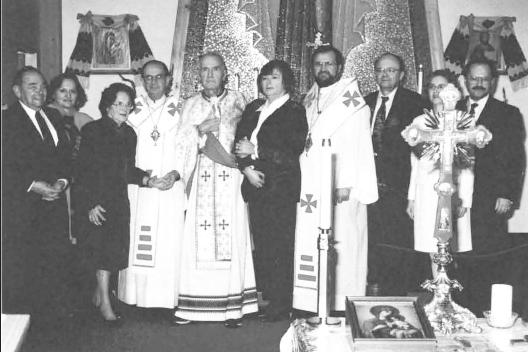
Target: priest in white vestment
pixel 217 280
pixel 157 216
pixel 335 110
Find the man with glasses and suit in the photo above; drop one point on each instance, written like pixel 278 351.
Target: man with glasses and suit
pixel 393 108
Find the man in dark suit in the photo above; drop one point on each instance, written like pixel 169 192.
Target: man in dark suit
pixel 34 214
pixel 499 167
pixel 393 108
pixel 498 170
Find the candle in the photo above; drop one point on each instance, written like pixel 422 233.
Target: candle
pixel 325 220
pixel 420 78
pixel 256 92
pixel 237 81
pixel 501 305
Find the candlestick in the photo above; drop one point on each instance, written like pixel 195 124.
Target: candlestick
pixel 420 78
pixel 501 305
pixel 325 220
pixel 255 80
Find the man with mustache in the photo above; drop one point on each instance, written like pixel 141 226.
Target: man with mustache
pixel 499 167
pixel 393 107
pixel 336 112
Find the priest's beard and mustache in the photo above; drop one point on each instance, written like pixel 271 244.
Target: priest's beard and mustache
pixel 325 79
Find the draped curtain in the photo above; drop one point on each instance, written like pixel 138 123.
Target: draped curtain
pixel 295 28
pixel 348 25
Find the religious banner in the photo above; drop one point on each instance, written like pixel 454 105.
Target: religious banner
pixel 108 44
pixel 489 38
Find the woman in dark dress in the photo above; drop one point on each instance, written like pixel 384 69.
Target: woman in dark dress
pixel 106 167
pixel 270 137
pixel 67 96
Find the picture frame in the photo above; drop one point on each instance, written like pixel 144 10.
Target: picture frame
pixel 485 44
pixel 389 324
pixel 111 50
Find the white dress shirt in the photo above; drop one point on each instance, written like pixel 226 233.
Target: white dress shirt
pixel 388 105
pixel 31 113
pixel 478 109
pixel 265 111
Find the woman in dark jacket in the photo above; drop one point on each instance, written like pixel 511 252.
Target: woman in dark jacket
pixel 270 137
pixel 106 167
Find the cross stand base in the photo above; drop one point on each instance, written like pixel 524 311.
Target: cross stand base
pixel 443 313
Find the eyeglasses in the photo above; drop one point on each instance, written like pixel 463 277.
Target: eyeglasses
pixel 479 79
pixel 121 106
pixel 153 78
pixel 321 64
pixel 390 70
pixel 436 87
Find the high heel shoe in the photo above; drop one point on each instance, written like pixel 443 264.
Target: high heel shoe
pixel 114 323
pixel 233 323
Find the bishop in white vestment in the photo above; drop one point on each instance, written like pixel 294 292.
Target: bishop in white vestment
pixel 336 112
pixel 157 216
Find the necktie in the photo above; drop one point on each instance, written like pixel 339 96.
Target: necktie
pixel 46 134
pixel 378 126
pixel 472 109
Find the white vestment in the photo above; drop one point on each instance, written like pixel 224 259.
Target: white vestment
pixel 344 119
pixel 156 217
pixel 425 173
pixel 217 280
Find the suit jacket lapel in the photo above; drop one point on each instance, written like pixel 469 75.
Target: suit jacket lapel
pixel 487 113
pixel 27 124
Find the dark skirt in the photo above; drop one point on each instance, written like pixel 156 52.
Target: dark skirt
pixel 106 247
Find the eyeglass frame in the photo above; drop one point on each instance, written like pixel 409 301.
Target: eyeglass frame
pixel 388 70
pixel 119 105
pixel 150 78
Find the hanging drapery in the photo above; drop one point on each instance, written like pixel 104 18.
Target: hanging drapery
pixel 261 21
pixel 491 38
pixel 108 44
pixel 348 25
pixel 295 30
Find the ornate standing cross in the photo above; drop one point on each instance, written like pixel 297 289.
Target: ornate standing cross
pixel 454 128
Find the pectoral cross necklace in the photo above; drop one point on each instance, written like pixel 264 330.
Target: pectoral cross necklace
pixel 308 144
pixel 155 134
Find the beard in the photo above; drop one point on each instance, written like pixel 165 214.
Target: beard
pixel 325 79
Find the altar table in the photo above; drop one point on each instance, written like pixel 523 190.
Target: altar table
pixel 14 328
pixel 339 339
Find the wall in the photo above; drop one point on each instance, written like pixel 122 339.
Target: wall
pixel 157 19
pixel 19 32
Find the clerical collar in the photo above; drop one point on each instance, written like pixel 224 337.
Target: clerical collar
pixel 221 95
